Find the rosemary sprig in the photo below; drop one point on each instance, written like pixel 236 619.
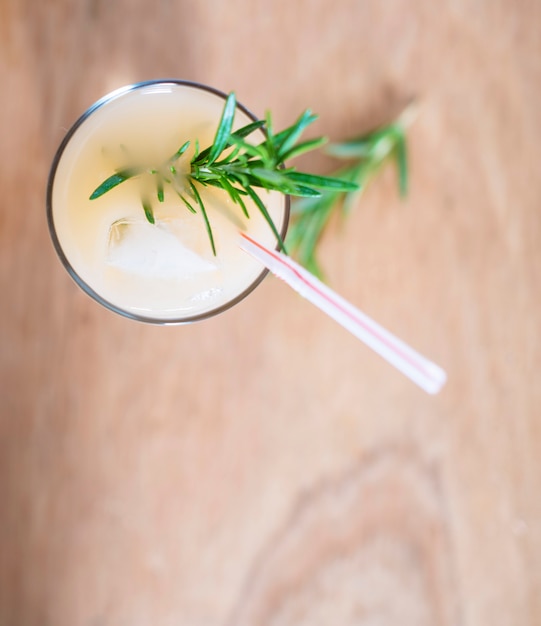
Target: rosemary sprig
pixel 236 166
pixel 367 155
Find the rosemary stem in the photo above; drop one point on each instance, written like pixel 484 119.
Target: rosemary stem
pixel 238 172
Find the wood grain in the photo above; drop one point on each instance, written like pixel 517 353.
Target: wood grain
pixel 263 467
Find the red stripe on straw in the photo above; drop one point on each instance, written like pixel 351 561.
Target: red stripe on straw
pixel 282 260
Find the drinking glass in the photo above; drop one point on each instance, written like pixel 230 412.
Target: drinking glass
pixel 163 273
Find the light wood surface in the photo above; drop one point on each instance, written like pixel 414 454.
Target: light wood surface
pixel 264 468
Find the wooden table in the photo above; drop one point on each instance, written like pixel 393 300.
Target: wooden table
pixel 264 467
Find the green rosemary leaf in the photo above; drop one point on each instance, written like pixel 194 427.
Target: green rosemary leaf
pixel 268 125
pixel 233 154
pixel 302 191
pixel 285 140
pixel 401 158
pixel 323 182
pixel 358 148
pixel 179 152
pixel 373 145
pixel 239 177
pixel 305 146
pixel 269 142
pixel 223 133
pixel 186 203
pixel 149 213
pixel 196 152
pixel 234 194
pixel 205 216
pixel 303 207
pixel 200 156
pixel 268 218
pixel 242 204
pixel 274 178
pixel 305 233
pixel 113 181
pixel 257 151
pixel 201 174
pixel 248 129
pixel 359 173
pixel 159 189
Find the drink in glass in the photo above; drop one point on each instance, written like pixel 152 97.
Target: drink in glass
pixel 164 272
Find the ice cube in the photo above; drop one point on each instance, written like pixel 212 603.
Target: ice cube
pixel 153 250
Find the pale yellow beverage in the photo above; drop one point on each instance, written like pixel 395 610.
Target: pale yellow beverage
pixel 162 272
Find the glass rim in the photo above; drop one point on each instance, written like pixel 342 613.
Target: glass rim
pixel 58 247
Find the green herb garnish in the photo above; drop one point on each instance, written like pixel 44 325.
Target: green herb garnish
pixel 368 154
pixel 238 167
